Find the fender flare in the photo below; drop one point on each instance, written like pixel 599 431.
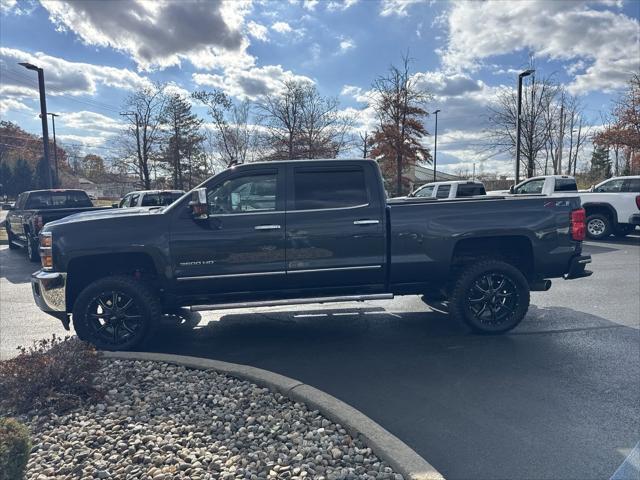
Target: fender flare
pixel 602 205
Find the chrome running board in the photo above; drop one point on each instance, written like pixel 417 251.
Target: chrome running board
pixel 293 301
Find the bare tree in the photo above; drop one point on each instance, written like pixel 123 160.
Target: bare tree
pixel 301 123
pixel 234 136
pixel 145 108
pixel 538 122
pixel 365 141
pixel 400 106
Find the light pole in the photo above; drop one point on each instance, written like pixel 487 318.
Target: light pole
pixel 43 116
pixel 526 73
pixel 435 146
pixel 55 148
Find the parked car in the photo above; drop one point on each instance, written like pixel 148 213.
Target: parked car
pixel 36 208
pixel 453 189
pixel 149 198
pixel 327 234
pixel 612 207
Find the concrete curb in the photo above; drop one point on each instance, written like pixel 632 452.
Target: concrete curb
pixel 385 445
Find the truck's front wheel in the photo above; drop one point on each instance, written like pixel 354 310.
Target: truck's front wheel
pixel 115 313
pixel 490 296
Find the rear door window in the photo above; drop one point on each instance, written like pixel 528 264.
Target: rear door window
pixel 470 190
pixel 324 188
pixel 565 185
pixel 631 185
pixel 443 191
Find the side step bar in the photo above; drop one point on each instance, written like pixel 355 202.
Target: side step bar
pixel 293 301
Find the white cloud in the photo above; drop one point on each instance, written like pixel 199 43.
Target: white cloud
pixel 397 7
pixel 249 83
pixel 281 27
pixel 346 45
pixel 86 120
pixel 258 31
pixel 607 41
pixel 11 104
pixel 62 77
pixel 340 5
pixel 158 34
pixel 310 4
pixel 439 84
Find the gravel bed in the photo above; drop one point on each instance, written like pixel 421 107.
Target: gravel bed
pixel 159 421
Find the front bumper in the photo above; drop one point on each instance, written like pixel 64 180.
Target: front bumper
pixel 49 292
pixel 577 267
pixel 634 219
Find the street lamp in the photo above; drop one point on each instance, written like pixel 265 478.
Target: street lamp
pixel 435 146
pixel 526 73
pixel 43 116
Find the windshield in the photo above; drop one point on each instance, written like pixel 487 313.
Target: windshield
pixel 161 199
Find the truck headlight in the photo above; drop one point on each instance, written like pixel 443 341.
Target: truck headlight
pixel 46 250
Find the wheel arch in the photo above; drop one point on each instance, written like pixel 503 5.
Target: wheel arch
pixel 514 249
pixel 592 208
pixel 83 270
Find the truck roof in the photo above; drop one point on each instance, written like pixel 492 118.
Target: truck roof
pixel 56 190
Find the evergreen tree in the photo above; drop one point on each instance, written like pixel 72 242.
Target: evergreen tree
pixel 600 163
pixel 184 143
pixel 6 179
pixel 22 177
pixel 41 176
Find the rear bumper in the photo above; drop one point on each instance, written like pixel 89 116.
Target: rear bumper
pixel 634 219
pixel 577 267
pixel 49 293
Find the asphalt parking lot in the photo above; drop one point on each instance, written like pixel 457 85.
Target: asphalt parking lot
pixel 559 397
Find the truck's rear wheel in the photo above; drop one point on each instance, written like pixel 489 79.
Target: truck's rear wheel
pixel 115 313
pixel 490 296
pixel 12 246
pixel 598 226
pixel 32 250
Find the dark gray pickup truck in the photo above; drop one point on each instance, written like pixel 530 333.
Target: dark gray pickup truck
pixel 307 231
pixel 35 208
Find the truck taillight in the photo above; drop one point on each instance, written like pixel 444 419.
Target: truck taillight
pixel 578 227
pixel 37 221
pixel 638 201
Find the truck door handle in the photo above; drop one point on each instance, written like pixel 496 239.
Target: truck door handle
pixel 267 227
pixel 366 222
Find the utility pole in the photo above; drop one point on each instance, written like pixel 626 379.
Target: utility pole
pixel 55 148
pixel 558 170
pixel 435 146
pixel 526 73
pixel 43 116
pixel 532 126
pixel 135 114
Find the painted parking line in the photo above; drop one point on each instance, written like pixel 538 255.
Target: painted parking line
pixel 630 468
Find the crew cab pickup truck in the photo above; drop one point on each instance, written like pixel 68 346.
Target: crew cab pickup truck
pixel 612 207
pixel 450 189
pixel 34 209
pixel 300 232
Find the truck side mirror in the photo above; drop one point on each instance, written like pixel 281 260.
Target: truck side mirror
pixel 511 189
pixel 592 188
pixel 115 205
pixel 198 204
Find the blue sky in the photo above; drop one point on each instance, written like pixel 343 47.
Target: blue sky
pixel 95 52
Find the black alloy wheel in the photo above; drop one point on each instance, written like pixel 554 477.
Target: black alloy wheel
pixel 493 298
pixel 114 318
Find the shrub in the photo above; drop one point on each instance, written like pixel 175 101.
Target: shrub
pixel 55 374
pixel 15 447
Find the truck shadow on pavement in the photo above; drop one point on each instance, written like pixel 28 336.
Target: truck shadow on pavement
pixel 15 266
pixel 555 398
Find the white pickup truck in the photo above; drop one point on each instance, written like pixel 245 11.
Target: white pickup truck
pixel 612 207
pixel 450 189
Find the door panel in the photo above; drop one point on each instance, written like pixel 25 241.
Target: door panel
pixel 241 246
pixel 329 242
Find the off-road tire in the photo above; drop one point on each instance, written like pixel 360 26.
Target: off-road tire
pixel 598 226
pixel 460 306
pixel 146 302
pixel 32 250
pixel 12 246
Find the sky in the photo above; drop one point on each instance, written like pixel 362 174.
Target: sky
pixel 95 53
